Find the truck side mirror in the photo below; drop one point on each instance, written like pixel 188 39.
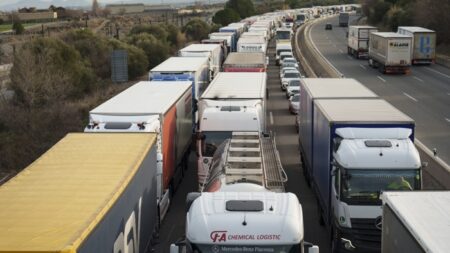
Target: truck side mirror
pixel 308 248
pixel 174 248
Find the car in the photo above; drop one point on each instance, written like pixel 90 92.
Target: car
pixel 292 88
pixel 287 76
pixel 289 65
pixel 285 55
pixel 291 60
pixel 294 104
pixel 283 70
pixel 328 26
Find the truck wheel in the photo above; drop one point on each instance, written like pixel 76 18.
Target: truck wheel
pixel 382 69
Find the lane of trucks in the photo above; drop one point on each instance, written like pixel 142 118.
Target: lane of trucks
pixel 110 188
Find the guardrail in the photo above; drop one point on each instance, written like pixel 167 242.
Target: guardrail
pixel 316 65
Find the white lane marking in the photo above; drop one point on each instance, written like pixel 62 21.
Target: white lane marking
pixel 411 97
pixel 340 50
pixel 271 118
pixel 381 78
pixel 447 119
pixel 437 72
pixel 362 66
pixel 418 79
pixel 348 56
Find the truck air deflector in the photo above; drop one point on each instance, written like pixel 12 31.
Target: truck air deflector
pixel 244 206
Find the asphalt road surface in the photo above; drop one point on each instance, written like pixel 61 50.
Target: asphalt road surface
pixel 424 94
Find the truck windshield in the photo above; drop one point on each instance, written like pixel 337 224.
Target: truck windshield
pixel 214 248
pixel 283 35
pixel 211 140
pixel 363 186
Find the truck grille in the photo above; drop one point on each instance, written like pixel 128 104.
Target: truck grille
pixel 365 232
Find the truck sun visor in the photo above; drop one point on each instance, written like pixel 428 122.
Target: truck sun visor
pixel 244 206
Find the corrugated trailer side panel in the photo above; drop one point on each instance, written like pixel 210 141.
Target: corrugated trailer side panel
pixel 132 218
pixel 184 125
pixel 169 128
pixel 322 157
pixel 305 126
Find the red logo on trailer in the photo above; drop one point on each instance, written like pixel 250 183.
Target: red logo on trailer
pixel 218 236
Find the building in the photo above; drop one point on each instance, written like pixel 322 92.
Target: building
pixel 120 9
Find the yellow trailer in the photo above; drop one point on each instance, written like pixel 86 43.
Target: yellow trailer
pixel 89 193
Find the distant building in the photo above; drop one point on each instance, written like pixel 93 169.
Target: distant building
pixel 120 9
pixel 38 15
pixel 155 10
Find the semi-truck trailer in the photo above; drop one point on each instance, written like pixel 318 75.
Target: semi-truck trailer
pixel 233 102
pixel 212 51
pixel 230 37
pixel 88 193
pixel 223 44
pixel 423 43
pixel 321 88
pixel 255 44
pixel 163 108
pixel 390 52
pixel 193 69
pixel 361 147
pixel 235 30
pixel 358 40
pixel 284 34
pixel 343 19
pixel 416 222
pixel 245 62
pixel 251 211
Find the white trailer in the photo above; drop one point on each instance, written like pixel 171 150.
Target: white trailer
pixel 416 222
pixel 390 52
pixel 253 44
pixel 232 102
pixel 164 108
pixel 423 43
pixel 358 40
pixel 194 69
pixel 212 51
pixel 229 37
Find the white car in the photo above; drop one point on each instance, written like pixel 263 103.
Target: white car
pixel 284 55
pixel 291 60
pixel 294 104
pixel 287 76
pixel 283 70
pixel 292 88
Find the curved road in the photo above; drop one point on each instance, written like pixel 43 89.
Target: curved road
pixel 424 94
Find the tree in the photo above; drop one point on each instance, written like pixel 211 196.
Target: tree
pixel 196 29
pixel 293 4
pixel 1 21
pixel 156 50
pixel 226 16
pixel 18 28
pixel 156 30
pixel 244 8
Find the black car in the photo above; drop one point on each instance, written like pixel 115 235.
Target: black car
pixel 328 26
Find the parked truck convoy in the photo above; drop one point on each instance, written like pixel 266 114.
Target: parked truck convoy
pixel 243 207
pixel 416 222
pixel 163 108
pixel 358 40
pixel 212 51
pixel 423 43
pixel 246 62
pixel 343 19
pixel 390 52
pixel 360 148
pixel 88 193
pixel 232 102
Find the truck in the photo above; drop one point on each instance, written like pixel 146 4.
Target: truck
pixel 255 34
pixel 284 34
pixel 235 30
pixel 230 37
pixel 343 19
pixel 243 207
pixel 416 221
pixel 390 52
pixel 212 51
pixel 246 62
pixel 423 43
pixel 233 102
pixel 88 193
pixel 358 40
pixel 360 148
pixel 163 108
pixel 193 69
pixel 252 44
pixel 300 19
pixel 223 45
pixel 280 47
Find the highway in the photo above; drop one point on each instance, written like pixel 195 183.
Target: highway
pixel 424 94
